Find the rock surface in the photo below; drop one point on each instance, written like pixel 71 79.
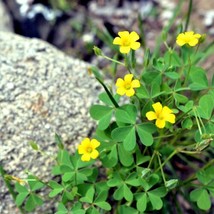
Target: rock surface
pixel 42 91
pixel 5 19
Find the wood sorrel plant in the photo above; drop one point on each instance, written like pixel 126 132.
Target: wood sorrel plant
pixel 154 149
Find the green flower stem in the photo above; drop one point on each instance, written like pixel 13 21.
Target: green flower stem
pixel 150 162
pixel 188 72
pixel 197 121
pixel 188 15
pixel 109 93
pixel 161 168
pixel 10 188
pixel 113 60
pixel 167 159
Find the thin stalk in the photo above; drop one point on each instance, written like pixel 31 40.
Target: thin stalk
pixel 167 159
pixel 150 162
pixel 188 15
pixel 113 60
pixel 109 93
pixel 161 168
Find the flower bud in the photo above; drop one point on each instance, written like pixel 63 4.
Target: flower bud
pixel 146 173
pixel 97 51
pixel 171 184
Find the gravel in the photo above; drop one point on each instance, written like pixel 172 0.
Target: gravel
pixel 42 91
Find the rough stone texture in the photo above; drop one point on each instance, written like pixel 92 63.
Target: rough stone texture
pixel 42 91
pixel 5 20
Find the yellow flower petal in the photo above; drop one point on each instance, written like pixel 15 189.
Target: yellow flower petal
pixel 166 110
pixel 160 123
pixel 95 143
pixel 121 91
pixel 81 149
pixel 130 92
pixel 180 42
pixel 120 82
pixel 134 36
pixel 157 107
pixel 94 154
pixel 123 34
pixel 125 49
pixel 135 84
pixel 151 115
pixel 117 41
pixel 193 42
pixel 135 45
pixel 197 36
pixel 128 78
pixel 86 157
pixel 170 118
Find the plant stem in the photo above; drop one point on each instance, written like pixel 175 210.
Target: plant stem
pixel 161 168
pixel 10 188
pixel 113 60
pixel 167 159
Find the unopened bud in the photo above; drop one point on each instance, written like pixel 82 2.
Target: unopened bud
pixel 171 184
pixel 146 173
pixel 97 51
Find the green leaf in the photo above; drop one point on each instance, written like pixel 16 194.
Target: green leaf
pixel 56 189
pixel 115 181
pixel 198 79
pixel 119 193
pixel 32 202
pixel 145 137
pixel 105 121
pixel 127 210
pixel 202 198
pixel 34 183
pixel 126 157
pixel 172 75
pixel 156 201
pixel 187 123
pixel 20 189
pixel 179 98
pixel 111 159
pixel 127 135
pixel 89 196
pixel 105 98
pixel 61 209
pixel 142 92
pixel 160 191
pixel 206 106
pixel 132 180
pixel 20 198
pixel 58 140
pixel 128 195
pixel 104 205
pixel 99 111
pixel 101 196
pixel 68 176
pixel 126 114
pixel 34 145
pixel 142 202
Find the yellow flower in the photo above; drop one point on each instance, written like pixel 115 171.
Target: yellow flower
pixel 161 115
pixel 87 149
pixel 189 38
pixel 127 41
pixel 127 85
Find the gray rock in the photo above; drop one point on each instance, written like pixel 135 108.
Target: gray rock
pixel 42 91
pixel 5 20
